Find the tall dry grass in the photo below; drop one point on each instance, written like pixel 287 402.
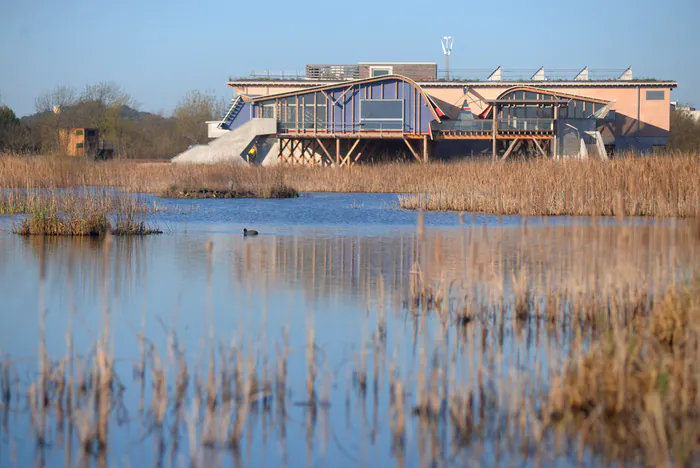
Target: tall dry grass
pixel 632 186
pixel 84 212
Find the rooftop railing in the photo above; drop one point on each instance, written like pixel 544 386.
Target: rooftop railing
pixel 349 72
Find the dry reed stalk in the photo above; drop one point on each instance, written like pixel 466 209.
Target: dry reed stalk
pixel 5 382
pixel 398 421
pixel 41 394
pixel 281 372
pixel 234 437
pixel 381 309
pixel 192 425
pixel 310 364
pixel 159 401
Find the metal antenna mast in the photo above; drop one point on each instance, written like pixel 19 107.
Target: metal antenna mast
pixel 447 42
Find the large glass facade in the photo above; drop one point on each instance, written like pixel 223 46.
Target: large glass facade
pixel 313 112
pixel 527 111
pixel 533 105
pixel 578 109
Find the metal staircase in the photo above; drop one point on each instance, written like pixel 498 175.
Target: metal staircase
pixel 232 113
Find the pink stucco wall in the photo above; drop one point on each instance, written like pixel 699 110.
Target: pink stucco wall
pixel 653 115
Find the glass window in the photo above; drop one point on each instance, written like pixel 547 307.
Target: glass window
pixel 268 110
pixel 79 145
pixel 380 71
pixel 381 114
pixel 291 118
pixel 546 112
pixel 78 133
pixel 656 95
pixel 321 111
pixel 381 109
pixel 309 115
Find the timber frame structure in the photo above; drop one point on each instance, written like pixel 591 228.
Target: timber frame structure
pixel 348 151
pixel 344 124
pixel 391 117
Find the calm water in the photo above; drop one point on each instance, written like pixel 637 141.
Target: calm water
pixel 332 263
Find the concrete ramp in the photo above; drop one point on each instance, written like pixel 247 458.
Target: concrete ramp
pixel 230 147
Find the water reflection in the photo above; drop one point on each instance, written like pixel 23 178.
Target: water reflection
pixel 308 347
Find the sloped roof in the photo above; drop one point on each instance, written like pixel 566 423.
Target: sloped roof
pixel 436 111
pixel 486 111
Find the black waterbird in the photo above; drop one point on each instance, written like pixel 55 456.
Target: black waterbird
pixel 249 232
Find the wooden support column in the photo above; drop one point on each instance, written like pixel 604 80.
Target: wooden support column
pixel 413 151
pixel 346 158
pixel 554 127
pixel 510 148
pixel 539 147
pixel 367 150
pixel 360 152
pixel 325 151
pixel 315 112
pixel 495 131
pixel 337 152
pixel 425 149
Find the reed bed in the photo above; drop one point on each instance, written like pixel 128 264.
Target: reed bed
pixel 83 212
pixel 663 186
pixel 275 191
pixel 629 397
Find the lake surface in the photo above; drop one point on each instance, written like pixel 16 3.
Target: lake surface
pixel 341 270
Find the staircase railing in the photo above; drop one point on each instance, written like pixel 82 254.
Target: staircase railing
pixel 232 112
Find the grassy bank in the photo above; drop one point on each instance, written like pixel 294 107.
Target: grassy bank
pixel 631 186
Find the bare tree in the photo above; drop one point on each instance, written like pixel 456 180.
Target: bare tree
pixel 195 108
pixel 103 105
pixel 52 103
pixel 60 96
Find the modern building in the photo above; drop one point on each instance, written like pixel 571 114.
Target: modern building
pixel 346 114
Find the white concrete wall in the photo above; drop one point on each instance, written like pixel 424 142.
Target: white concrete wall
pixel 229 147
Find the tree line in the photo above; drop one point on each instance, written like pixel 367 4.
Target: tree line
pixel 108 108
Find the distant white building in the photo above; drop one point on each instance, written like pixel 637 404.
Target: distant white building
pixel 691 111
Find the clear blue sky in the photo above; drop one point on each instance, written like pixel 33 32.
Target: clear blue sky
pixel 157 50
